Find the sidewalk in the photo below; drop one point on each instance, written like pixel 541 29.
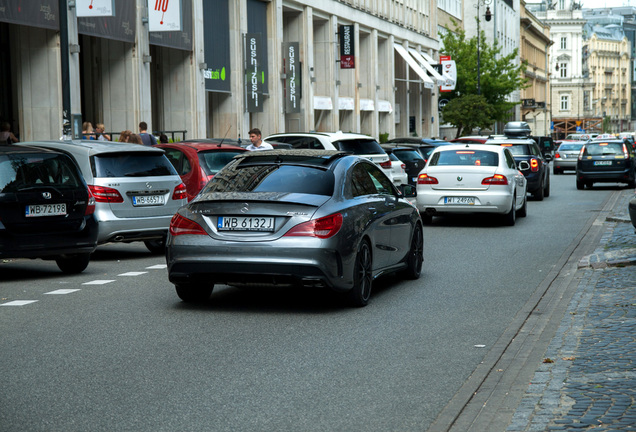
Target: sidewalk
pixel 587 378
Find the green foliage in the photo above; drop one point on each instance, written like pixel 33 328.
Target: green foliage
pixel 469 112
pixel 384 137
pixel 607 124
pixel 500 76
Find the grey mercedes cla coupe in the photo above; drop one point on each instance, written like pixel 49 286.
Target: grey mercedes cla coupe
pixel 295 217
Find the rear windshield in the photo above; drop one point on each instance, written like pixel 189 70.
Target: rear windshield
pixel 465 157
pixel 130 164
pixel 273 178
pixel 570 147
pixel 603 148
pixel 360 146
pixel 521 149
pixel 409 155
pixel 20 171
pixel 213 161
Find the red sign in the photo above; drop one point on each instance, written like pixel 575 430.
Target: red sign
pixel 442 60
pixel 347 52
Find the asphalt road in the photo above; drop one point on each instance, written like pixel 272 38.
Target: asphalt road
pixel 115 349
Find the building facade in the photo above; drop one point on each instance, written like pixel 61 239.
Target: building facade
pixel 352 65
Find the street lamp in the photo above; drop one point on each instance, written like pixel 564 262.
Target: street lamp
pixel 488 17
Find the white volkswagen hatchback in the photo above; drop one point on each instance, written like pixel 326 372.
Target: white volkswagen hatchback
pixel 472 178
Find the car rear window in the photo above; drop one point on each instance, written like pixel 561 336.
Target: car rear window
pixel 520 149
pixel 213 161
pixel 360 146
pixel 601 149
pixel 273 178
pixel 18 171
pixel 131 164
pixel 408 155
pixel 570 147
pixel 465 157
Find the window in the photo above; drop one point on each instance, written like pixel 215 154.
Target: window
pixel 563 70
pixel 564 43
pixel 565 102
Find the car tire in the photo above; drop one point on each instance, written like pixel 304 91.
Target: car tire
pixel 191 293
pixel 427 219
pixel 523 211
pixel 511 216
pixel 546 190
pixel 362 276
pixel 538 194
pixel 415 257
pixel 589 184
pixel 580 185
pixel 156 246
pixel 73 264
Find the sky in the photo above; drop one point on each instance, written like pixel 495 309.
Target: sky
pixel 607 3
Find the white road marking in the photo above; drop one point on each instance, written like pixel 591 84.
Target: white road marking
pixel 158 266
pixel 132 274
pixel 98 282
pixel 62 291
pixel 18 303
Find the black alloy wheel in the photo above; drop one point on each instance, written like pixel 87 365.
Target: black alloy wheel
pixel 415 257
pixel 191 293
pixel 156 246
pixel 73 264
pixel 363 276
pixel 511 216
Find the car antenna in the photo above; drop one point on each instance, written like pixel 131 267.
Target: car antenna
pixel 228 131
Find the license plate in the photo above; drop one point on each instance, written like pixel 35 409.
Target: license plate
pixel 241 223
pixel 37 210
pixel 459 200
pixel 148 200
pixel 597 163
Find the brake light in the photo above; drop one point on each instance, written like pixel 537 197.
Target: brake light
pixel 386 164
pixel 581 153
pixel 625 153
pixel 105 194
pixel 403 167
pixel 324 227
pixel 497 179
pixel 90 206
pixel 180 192
pixel 426 179
pixel 534 165
pixel 557 155
pixel 180 225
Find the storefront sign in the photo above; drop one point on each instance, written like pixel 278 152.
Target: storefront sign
pixel 216 43
pixel 292 77
pixel 120 26
pixel 164 15
pixel 43 14
pixel 347 50
pixel 254 72
pixel 95 8
pixel 176 39
pixel 449 71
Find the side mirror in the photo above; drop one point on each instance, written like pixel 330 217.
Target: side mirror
pixel 547 157
pixel 410 191
pixel 524 166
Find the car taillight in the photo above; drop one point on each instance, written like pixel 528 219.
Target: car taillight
pixel 180 225
pixel 90 206
pixel 625 152
pixel 386 164
pixel 534 165
pixel 180 192
pixel 557 155
pixel 426 179
pixel 403 167
pixel 324 227
pixel 105 194
pixel 497 179
pixel 581 153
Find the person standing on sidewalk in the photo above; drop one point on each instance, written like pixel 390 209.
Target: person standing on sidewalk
pixel 147 138
pixel 257 141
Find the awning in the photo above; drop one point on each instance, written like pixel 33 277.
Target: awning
pixel 346 104
pixel 367 105
pixel 428 82
pixel 384 106
pixel 427 65
pixel 323 103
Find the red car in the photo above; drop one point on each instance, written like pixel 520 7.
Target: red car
pixel 197 161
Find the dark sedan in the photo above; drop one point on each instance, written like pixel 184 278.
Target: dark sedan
pixel 46 208
pixel 606 161
pixel 299 217
pixel 411 157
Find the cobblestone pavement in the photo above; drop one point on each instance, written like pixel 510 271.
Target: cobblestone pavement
pixel 587 380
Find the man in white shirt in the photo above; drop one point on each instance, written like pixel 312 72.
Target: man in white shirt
pixel 257 142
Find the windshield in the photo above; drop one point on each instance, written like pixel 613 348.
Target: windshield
pixel 131 164
pixel 465 157
pixel 213 161
pixel 409 155
pixel 273 178
pixel 601 149
pixel 18 171
pixel 360 146
pixel 570 147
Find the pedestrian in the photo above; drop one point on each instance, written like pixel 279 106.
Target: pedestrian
pixel 147 138
pixel 99 132
pixel 136 139
pixel 124 136
pixel 163 139
pixel 257 141
pixel 87 131
pixel 6 136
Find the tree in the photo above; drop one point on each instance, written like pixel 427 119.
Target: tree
pixel 500 75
